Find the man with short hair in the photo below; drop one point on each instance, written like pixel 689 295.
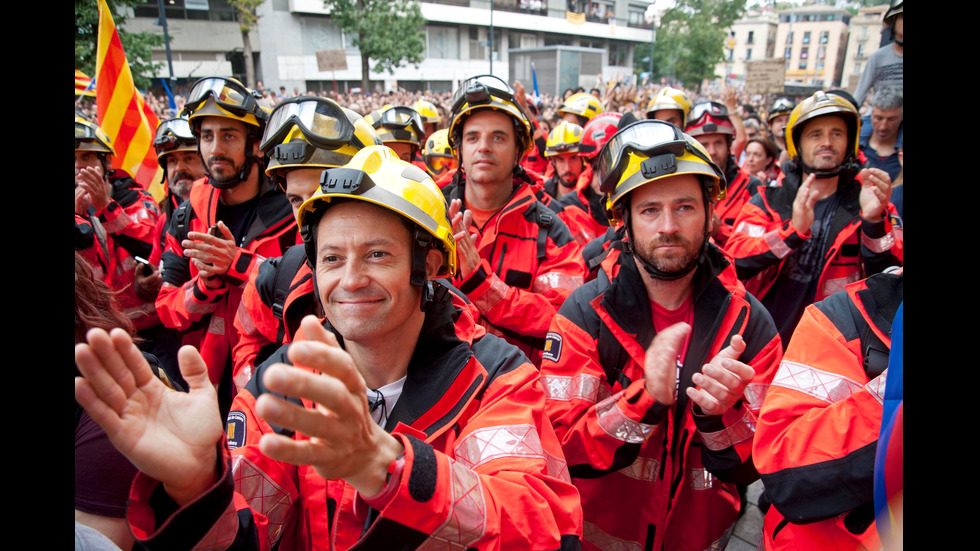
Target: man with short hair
pixel 399 420
pixel 829 223
pixel 655 370
pixel 233 220
pixel 881 132
pixel 518 259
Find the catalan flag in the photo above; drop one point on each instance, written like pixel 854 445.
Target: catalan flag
pixel 123 115
pixel 575 18
pixel 84 85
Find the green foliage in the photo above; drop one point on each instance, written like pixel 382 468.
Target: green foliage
pixel 691 40
pixel 138 46
pixel 389 32
pixel 247 18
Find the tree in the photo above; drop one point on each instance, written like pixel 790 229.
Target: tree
pixel 390 32
pixel 138 46
pixel 247 20
pixel 691 39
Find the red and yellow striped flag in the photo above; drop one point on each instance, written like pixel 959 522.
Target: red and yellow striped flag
pixel 83 85
pixel 123 115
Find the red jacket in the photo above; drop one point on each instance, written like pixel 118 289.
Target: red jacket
pixel 530 264
pixel 653 476
pixel 764 238
pixel 818 431
pixel 123 230
pixel 483 467
pixel 205 316
pixel 741 187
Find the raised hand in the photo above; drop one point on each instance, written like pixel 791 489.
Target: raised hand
pixel 171 436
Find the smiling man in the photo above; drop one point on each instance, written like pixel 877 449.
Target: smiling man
pixel 233 219
pixel 397 421
pixel 828 224
pixel 305 135
pixel 518 259
pixel 656 369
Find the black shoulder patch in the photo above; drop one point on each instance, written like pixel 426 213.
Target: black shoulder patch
pixel 235 429
pixel 552 347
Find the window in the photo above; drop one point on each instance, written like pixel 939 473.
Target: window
pixel 806 37
pixel 802 65
pixel 206 10
pixel 804 53
pixel 748 54
pixel 821 52
pixel 442 42
pixel 789 52
pixel 751 38
pixel 860 52
pixel 789 37
pixel 824 37
pixel 618 53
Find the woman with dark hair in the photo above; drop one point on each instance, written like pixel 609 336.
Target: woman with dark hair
pixel 102 475
pixel 761 156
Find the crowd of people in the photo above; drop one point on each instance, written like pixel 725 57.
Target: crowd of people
pixel 484 321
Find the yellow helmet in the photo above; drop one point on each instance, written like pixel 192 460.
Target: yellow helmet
pixel 818 105
pixel 398 124
pixel 564 138
pixel 173 135
pixel 649 150
pixel 428 111
pixel 670 99
pixel 438 155
pixel 89 137
pixel 227 98
pixel 487 92
pixel 313 132
pixel 376 175
pixel 582 104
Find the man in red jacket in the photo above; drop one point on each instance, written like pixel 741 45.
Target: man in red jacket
pixel 233 220
pixel 655 370
pixel 518 259
pixel 829 222
pixel 399 424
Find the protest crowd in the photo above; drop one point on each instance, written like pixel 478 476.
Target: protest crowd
pixel 487 319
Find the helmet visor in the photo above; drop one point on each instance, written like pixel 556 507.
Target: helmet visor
pixel 438 164
pixel 479 90
pixel 171 133
pixel 322 122
pixel 649 137
pixel 712 108
pixel 229 94
pixel 402 117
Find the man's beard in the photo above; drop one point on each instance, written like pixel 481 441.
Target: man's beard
pixel 675 261
pixel 182 184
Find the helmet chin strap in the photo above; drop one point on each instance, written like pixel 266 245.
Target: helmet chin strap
pixel 848 168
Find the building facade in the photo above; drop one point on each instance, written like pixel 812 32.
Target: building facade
pixel 812 40
pixel 865 38
pixel 206 40
pixel 751 38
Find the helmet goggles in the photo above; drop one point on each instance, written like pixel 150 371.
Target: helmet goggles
pixel 228 94
pixel 401 117
pixel 712 108
pixel 655 139
pixel 322 122
pixel 438 163
pixel 171 133
pixel 480 90
pixel 86 132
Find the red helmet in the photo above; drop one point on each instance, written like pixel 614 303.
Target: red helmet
pixel 709 118
pixel 597 132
